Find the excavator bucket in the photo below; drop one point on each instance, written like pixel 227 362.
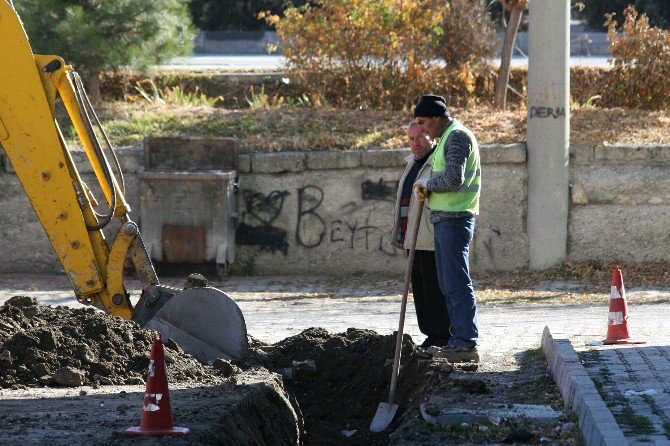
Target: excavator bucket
pixel 204 321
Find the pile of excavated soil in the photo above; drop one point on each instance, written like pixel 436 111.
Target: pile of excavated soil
pixel 59 346
pixel 339 380
pixel 333 382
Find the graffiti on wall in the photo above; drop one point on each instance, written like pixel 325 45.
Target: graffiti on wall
pixel 547 112
pixel 263 210
pixel 352 227
pixel 379 190
pixel 311 227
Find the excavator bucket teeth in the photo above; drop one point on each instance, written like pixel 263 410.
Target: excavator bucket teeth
pixel 205 322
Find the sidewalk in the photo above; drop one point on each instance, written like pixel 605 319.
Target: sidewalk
pixel 634 383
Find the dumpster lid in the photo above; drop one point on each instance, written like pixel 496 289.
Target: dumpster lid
pixel 188 175
pixel 191 153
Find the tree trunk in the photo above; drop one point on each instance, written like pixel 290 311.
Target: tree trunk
pixel 503 21
pixel 92 84
pixel 506 58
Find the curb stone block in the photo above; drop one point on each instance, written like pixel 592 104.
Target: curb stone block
pixel 503 153
pixel 614 440
pixel 590 433
pixel 383 158
pixel 244 162
pixel 596 422
pixel 662 154
pixel 581 154
pixel 622 154
pixel 278 162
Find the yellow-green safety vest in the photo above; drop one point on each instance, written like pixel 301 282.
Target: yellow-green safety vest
pixel 466 198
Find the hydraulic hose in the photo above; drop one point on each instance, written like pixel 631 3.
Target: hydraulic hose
pixel 84 105
pixel 119 171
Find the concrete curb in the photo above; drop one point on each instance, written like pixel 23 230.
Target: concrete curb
pixel 596 422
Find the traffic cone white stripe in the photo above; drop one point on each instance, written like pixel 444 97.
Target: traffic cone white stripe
pixel 614 293
pixel 616 317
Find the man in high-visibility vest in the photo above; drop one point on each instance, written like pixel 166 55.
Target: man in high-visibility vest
pixel 453 199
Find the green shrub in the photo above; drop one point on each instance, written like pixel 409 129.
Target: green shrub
pixel 148 91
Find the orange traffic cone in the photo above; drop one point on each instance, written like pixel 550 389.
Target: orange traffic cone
pixel 156 411
pixel 617 329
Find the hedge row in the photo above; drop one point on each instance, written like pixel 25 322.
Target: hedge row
pixel 587 85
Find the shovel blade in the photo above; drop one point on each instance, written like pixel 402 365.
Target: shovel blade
pixel 383 417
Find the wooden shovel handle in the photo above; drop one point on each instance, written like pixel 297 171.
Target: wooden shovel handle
pixel 403 307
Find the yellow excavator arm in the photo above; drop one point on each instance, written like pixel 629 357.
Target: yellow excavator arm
pixel 33 141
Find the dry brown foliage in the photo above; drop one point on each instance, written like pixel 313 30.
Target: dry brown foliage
pixel 641 62
pixel 384 53
pixel 306 129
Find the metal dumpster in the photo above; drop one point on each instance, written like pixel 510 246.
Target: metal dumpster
pixel 188 211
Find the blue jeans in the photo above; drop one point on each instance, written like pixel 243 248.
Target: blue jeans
pixel 452 254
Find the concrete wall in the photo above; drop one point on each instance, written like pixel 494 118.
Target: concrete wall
pixel 316 212
pixel 583 42
pixel 237 42
pixel 330 212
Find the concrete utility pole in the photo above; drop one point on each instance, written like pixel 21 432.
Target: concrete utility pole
pixel 548 131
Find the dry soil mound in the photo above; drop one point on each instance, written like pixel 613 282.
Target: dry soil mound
pixel 42 345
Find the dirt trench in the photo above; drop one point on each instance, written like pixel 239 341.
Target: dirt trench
pixel 338 380
pixel 312 388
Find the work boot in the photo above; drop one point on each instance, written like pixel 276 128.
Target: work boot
pixel 456 354
pixel 433 342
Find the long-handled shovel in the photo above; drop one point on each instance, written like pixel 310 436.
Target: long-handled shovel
pixel 386 411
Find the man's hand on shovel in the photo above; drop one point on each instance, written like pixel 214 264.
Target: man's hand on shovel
pixel 420 189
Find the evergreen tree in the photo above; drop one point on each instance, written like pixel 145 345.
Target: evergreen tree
pixel 96 35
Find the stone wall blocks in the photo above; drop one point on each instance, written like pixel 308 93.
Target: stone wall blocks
pixel 578 194
pixel 662 154
pixel 503 153
pixel 630 236
pixel 581 153
pixel 641 154
pixel 383 158
pixel 278 162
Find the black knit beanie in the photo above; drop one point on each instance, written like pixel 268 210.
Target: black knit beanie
pixel 431 105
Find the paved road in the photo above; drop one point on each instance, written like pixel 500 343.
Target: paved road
pixel 232 62
pixel 278 307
